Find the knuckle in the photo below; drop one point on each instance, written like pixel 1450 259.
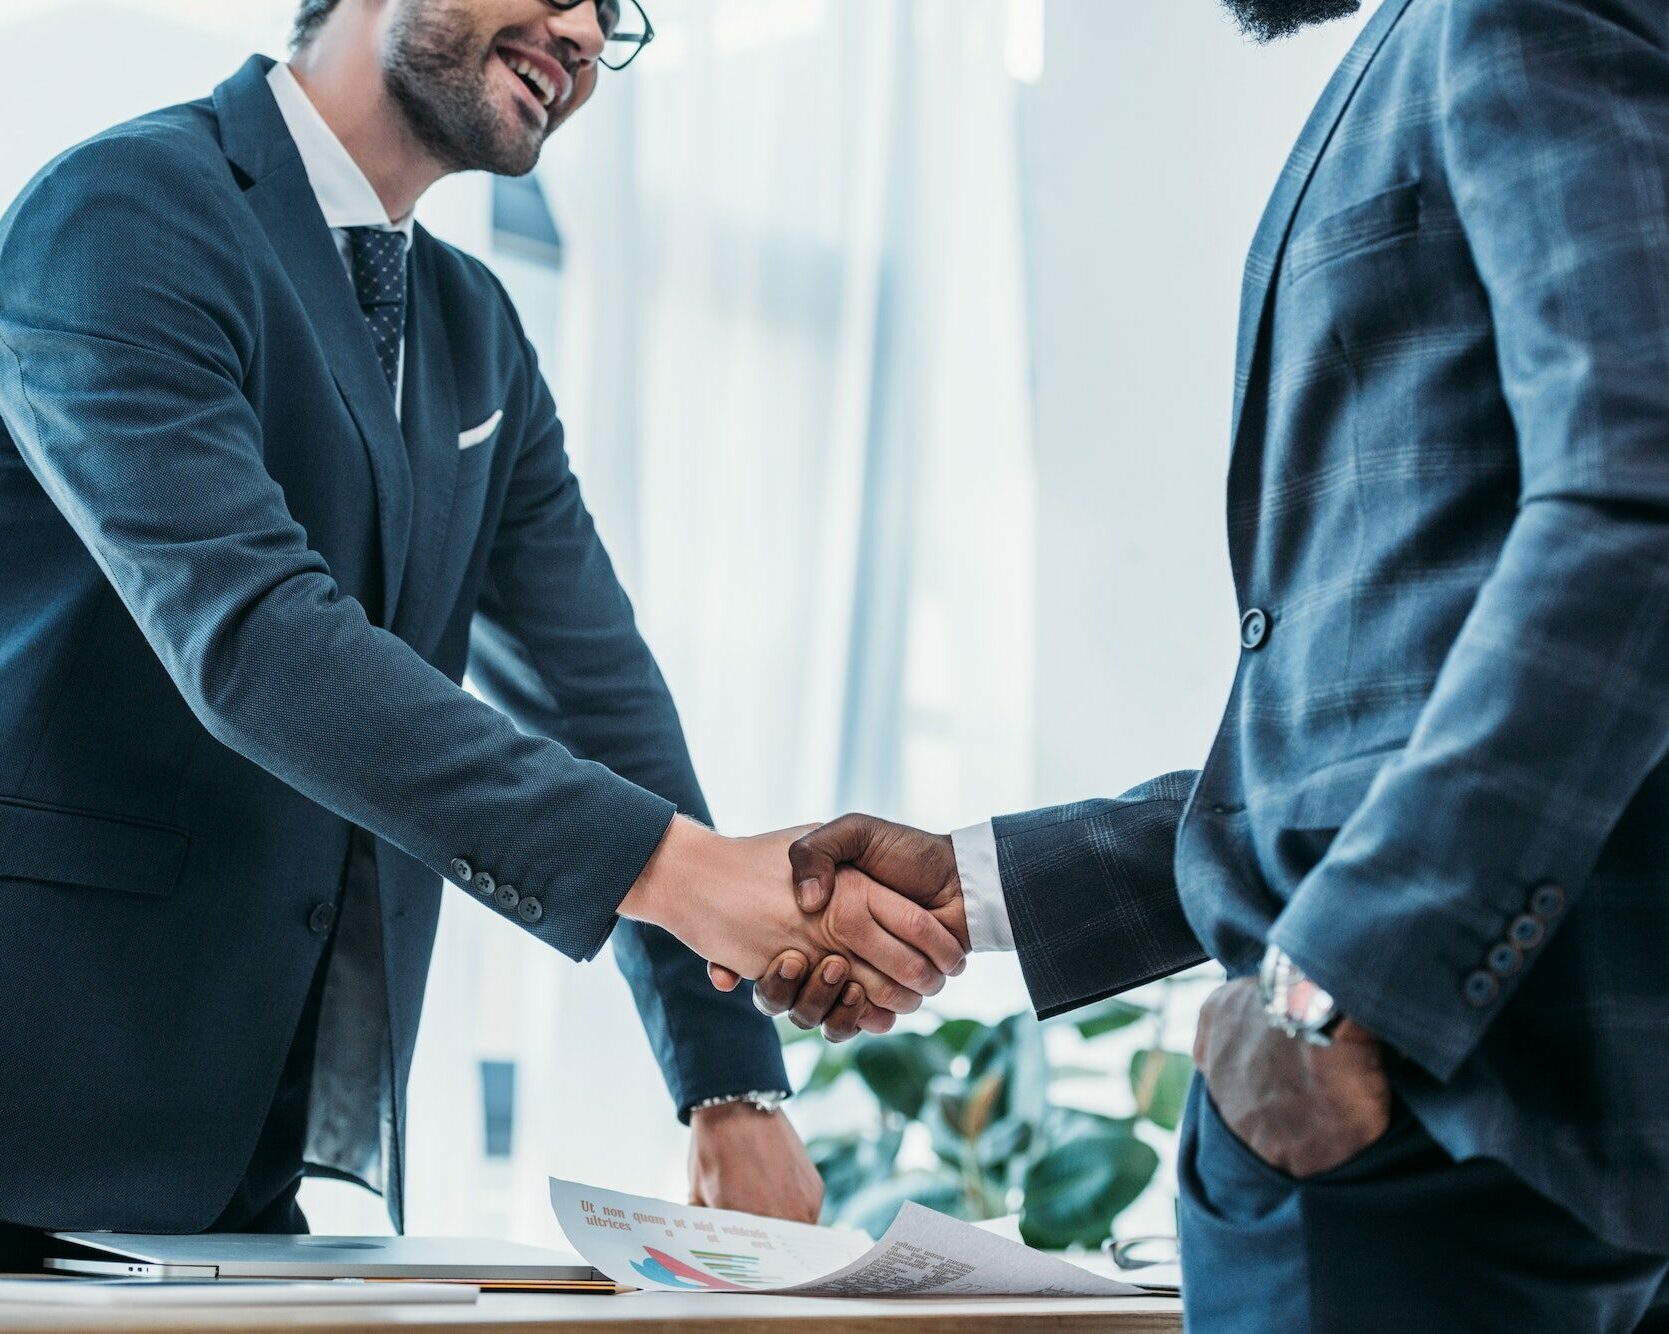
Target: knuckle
pixel 914 922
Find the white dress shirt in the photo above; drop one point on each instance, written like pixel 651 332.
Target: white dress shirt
pixel 982 889
pixel 345 197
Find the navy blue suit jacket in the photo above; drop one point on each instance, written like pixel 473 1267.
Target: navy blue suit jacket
pixel 1440 780
pixel 236 603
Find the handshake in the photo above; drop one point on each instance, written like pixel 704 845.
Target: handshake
pixel 845 925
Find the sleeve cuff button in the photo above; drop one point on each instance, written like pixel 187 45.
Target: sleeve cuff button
pixel 1504 960
pixel 1526 931
pixel 1481 988
pixel 1548 901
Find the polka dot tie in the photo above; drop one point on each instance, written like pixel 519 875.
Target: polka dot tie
pixel 379 273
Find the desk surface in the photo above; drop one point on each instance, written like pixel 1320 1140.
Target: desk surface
pixel 636 1313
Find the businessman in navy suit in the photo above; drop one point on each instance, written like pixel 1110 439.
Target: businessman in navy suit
pixel 1431 842
pixel 276 468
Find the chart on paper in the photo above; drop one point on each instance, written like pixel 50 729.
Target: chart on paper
pixel 647 1243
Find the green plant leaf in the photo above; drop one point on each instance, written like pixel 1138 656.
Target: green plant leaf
pixel 874 1208
pixel 1106 1016
pixel 899 1069
pixel 850 1163
pixel 1159 1079
pixel 1000 1142
pixel 959 1034
pixel 943 1114
pixel 1074 1191
pixel 1014 1048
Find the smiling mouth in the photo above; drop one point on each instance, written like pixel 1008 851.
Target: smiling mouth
pixel 532 78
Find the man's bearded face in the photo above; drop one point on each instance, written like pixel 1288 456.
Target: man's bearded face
pixel 1265 20
pixel 452 67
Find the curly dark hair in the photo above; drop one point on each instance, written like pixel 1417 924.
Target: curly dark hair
pixel 308 20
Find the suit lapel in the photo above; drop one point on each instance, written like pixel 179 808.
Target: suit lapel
pixel 1270 240
pixel 258 143
pixel 430 414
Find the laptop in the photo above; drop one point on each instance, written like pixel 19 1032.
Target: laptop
pixel 474 1260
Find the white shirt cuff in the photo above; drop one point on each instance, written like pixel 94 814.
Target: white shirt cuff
pixel 982 889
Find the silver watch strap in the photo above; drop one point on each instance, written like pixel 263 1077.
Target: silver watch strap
pixel 766 1100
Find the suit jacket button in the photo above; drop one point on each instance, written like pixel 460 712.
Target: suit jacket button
pixel 1526 931
pixel 1504 960
pixel 1481 988
pixel 507 897
pixel 1548 901
pixel 1254 628
pixel 462 870
pixel 531 910
pixel 320 920
pixel 484 884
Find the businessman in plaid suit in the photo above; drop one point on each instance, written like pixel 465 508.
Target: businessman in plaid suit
pixel 1431 842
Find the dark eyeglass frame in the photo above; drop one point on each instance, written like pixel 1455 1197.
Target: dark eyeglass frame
pixel 638 40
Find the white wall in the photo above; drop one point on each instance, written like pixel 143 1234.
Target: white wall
pixel 1152 142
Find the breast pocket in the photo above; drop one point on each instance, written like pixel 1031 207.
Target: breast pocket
pixel 1378 222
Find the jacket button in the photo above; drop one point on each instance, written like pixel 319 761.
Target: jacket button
pixel 1548 901
pixel 1254 628
pixel 507 897
pixel 484 884
pixel 462 870
pixel 1481 988
pixel 1504 960
pixel 1526 931
pixel 531 910
pixel 320 920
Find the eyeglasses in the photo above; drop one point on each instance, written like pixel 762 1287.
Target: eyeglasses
pixel 626 29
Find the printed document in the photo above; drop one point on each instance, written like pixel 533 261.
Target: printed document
pixel 646 1243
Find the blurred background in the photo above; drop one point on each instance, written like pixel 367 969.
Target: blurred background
pixel 895 343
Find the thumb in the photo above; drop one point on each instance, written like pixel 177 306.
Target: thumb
pixel 814 857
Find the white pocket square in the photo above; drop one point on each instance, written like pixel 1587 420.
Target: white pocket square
pixel 476 434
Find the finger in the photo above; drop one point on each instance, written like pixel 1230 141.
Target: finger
pixel 722 978
pixel 855 931
pixel 876 1020
pixel 912 923
pixel 821 993
pixel 842 1023
pixel 776 991
pixel 815 856
pixel 883 991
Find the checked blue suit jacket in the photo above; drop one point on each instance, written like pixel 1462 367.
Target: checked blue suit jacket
pixel 236 602
pixel 1439 782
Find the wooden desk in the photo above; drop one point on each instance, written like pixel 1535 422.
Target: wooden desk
pixel 636 1313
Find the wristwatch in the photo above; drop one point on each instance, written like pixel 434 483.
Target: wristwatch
pixel 765 1100
pixel 1294 1004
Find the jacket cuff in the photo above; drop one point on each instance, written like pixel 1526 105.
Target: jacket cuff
pixel 1423 946
pixel 740 1054
pixel 565 885
pixel 1091 894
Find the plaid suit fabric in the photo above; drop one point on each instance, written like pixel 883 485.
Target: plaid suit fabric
pixel 1438 782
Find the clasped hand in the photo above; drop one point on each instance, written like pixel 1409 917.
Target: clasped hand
pixel 856 874
pixel 733 901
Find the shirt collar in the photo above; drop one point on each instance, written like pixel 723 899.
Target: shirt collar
pixel 345 197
